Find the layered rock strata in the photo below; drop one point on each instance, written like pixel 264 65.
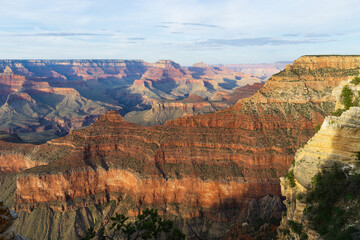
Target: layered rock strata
pixel 200 170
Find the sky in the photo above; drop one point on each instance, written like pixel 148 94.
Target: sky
pixel 212 31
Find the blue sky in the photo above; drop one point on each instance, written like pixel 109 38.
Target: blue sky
pixel 221 31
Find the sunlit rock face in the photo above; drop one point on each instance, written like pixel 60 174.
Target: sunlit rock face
pixel 201 170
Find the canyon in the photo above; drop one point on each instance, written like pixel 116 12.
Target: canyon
pixel 201 171
pixel 44 99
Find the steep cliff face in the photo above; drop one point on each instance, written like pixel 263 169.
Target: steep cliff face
pixel 312 62
pixel 337 141
pixel 201 170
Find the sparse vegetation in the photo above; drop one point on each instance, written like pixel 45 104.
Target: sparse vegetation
pixel 300 196
pixel 347 100
pixel 347 97
pixel 304 236
pixel 317 127
pixel 356 80
pixel 295 226
pixel 293 163
pixel 291 178
pixel 325 211
pixel 338 112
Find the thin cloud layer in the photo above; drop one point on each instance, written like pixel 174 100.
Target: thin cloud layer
pixel 54 34
pixel 242 42
pixel 187 31
pixel 167 24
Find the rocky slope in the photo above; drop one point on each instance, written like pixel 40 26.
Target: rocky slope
pixel 162 110
pixel 200 170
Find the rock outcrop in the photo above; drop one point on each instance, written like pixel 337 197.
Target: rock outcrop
pixel 200 170
pixel 337 141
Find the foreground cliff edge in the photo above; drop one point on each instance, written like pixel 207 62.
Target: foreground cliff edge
pixel 337 143
pixel 199 170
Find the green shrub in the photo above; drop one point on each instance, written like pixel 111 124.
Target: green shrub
pixel 338 112
pixel 346 97
pixel 300 196
pixel 284 231
pixel 304 236
pixel 325 213
pixel 295 227
pixel 356 81
pixel 290 176
pixel 317 127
